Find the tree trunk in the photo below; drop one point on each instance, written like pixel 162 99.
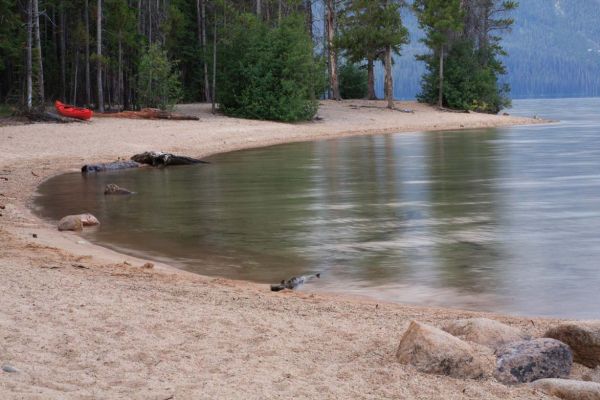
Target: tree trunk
pixel 38 50
pixel 309 19
pixel 258 8
pixel 29 67
pixel 201 16
pixel 88 83
pixel 214 67
pixel 74 97
pixel 279 11
pixel 441 85
pixel 99 52
pixel 334 83
pixel 389 80
pixel 371 79
pixel 120 74
pixel 63 63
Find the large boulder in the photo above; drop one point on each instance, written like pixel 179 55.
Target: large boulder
pixel 70 223
pixel 530 360
pixel 485 331
pixel 88 220
pixel 583 338
pixel 434 351
pixel 568 389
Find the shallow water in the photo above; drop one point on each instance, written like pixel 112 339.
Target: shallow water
pixel 499 219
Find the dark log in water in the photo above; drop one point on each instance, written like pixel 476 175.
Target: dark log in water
pixel 112 166
pixel 157 158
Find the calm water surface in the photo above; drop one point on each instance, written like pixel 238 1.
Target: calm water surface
pixel 500 219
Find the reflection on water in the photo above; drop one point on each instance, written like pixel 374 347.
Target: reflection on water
pixel 498 219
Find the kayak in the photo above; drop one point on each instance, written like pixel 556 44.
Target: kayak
pixel 73 112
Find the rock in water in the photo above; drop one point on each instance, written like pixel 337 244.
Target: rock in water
pixel 583 338
pixel 530 360
pixel 568 390
pixel 294 282
pixel 70 223
pixel 158 158
pixel 484 331
pixel 434 351
pixel 111 188
pixel 88 220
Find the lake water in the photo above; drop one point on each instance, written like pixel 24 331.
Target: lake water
pixel 499 219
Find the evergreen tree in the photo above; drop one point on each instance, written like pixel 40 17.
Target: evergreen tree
pixel 158 82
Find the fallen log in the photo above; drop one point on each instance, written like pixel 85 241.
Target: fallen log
pixel 149 113
pixel 47 116
pixel 112 166
pixel 158 158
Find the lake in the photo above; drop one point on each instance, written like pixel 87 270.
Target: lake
pixel 504 220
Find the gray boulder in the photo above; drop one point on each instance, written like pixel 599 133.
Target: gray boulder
pixel 88 220
pixel 484 331
pixel 583 338
pixel 434 351
pixel 530 360
pixel 568 389
pixel 70 223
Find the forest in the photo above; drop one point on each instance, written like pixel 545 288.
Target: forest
pixel 264 59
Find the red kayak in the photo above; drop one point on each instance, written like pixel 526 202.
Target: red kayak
pixel 73 112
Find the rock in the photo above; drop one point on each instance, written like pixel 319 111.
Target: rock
pixel 148 266
pixel 583 338
pixel 91 168
pixel 567 389
pixel 9 368
pixel 88 220
pixel 434 351
pixel 70 223
pixel 485 331
pixel 158 158
pixel 111 188
pixel 530 360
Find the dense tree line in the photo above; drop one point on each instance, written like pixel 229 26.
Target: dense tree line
pixel 258 58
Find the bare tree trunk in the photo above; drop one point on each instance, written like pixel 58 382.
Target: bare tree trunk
pixel 201 17
pixel 88 83
pixel 371 79
pixel 214 67
pixel 99 52
pixel 38 50
pixel 334 83
pixel 309 18
pixel 389 80
pixel 120 74
pixel 74 97
pixel 441 85
pixel 258 8
pixel 63 63
pixel 279 11
pixel 29 67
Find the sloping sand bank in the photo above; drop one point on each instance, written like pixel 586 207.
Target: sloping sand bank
pixel 82 322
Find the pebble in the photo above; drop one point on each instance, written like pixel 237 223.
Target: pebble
pixel 9 368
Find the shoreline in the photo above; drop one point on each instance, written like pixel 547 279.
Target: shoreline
pixel 28 168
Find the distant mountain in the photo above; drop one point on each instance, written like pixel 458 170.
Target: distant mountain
pixel 554 51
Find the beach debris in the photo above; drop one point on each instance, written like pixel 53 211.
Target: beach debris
pixel 583 338
pixel 70 223
pixel 149 113
pixel 158 158
pixel 34 174
pixel 9 368
pixel 484 331
pixel 294 282
pixel 50 117
pixel 111 188
pixel 148 265
pixel 568 389
pixel 34 235
pixel 433 351
pixel 530 360
pixel 111 166
pixel 79 266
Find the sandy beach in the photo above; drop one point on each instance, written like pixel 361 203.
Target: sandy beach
pixel 82 322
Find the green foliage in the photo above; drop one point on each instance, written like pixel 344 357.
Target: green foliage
pixel 353 82
pixel 440 19
pixel 158 84
pixel 468 85
pixel 269 73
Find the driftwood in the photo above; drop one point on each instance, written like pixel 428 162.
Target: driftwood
pixel 403 110
pixel 112 166
pixel 158 158
pixel 47 116
pixel 294 282
pixel 149 113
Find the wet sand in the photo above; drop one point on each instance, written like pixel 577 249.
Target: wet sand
pixel 80 321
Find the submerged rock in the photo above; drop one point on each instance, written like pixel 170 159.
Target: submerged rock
pixel 484 331
pixel 583 338
pixel 434 351
pixel 568 390
pixel 111 188
pixel 70 223
pixel 530 360
pixel 88 220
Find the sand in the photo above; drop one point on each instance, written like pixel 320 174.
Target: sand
pixel 82 322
